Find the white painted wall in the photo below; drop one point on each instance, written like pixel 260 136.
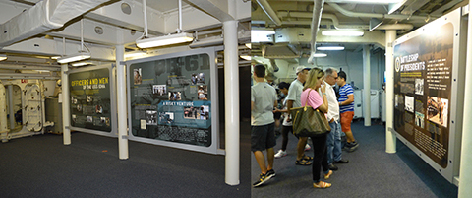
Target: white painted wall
pixel 352 64
pixel 349 62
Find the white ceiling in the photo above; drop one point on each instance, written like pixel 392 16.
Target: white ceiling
pixel 117 27
pixel 296 15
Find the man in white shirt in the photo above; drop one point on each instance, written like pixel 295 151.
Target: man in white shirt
pixel 263 101
pixel 333 140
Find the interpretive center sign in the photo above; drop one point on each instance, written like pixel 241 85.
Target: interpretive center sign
pixel 90 103
pixel 171 99
pixel 422 91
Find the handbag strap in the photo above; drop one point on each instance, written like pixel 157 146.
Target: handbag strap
pixel 306 101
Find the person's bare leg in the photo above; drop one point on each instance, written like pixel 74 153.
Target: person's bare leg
pixel 301 147
pixel 349 137
pixel 270 158
pixel 260 160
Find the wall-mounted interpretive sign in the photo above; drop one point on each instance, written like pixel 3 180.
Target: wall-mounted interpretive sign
pixel 90 101
pixel 427 65
pixel 171 98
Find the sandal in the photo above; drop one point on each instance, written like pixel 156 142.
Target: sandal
pixel 322 184
pixel 326 176
pixel 307 158
pixel 302 162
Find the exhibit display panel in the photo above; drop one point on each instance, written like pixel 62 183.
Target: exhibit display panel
pixel 92 100
pixel 172 100
pixel 427 95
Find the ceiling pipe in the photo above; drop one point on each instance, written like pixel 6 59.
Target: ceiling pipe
pixel 315 26
pixel 380 16
pixel 335 21
pixel 269 12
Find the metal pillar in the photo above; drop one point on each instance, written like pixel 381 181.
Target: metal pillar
pixel 122 112
pixel 465 173
pixel 231 83
pixel 367 105
pixel 65 104
pixel 390 137
pixel 11 107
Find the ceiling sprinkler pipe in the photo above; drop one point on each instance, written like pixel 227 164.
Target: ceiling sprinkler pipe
pixel 315 26
pixel 269 12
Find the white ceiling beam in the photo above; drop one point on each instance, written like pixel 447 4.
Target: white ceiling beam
pixel 50 47
pixel 196 19
pixel 113 14
pixel 92 34
pixel 370 37
pixel 217 9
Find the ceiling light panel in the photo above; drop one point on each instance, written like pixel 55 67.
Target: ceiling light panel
pixel 342 33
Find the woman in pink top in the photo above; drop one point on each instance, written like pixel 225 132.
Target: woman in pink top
pixel 311 97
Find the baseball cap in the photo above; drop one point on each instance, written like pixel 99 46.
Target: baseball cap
pixel 301 68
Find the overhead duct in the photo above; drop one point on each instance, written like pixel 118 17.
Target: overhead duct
pixel 335 21
pixel 315 26
pixel 44 16
pixel 374 15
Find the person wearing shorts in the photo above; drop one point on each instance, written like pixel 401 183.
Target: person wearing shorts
pixel 263 101
pixel 346 109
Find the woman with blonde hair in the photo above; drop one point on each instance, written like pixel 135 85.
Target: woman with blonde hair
pixel 311 97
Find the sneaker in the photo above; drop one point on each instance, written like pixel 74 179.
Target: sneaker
pixel 261 180
pixel 326 176
pixel 352 147
pixel 331 166
pixel 280 154
pixel 307 147
pixel 270 173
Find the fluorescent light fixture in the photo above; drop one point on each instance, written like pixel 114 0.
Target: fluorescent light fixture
pixel 164 40
pixel 40 71
pixel 74 57
pixel 55 57
pixel 135 54
pixel 249 45
pixel 330 48
pixel 364 1
pixel 319 55
pixel 3 57
pixel 246 57
pixel 81 64
pixel 342 33
pixel 207 42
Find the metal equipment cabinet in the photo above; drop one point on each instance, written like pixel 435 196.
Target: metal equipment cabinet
pixel 53 114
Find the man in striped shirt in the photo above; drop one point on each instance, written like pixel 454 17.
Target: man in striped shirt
pixel 346 109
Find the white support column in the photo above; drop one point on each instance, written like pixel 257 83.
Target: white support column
pixel 465 173
pixel 367 105
pixel 11 107
pixel 390 137
pixel 231 80
pixel 65 105
pixel 121 100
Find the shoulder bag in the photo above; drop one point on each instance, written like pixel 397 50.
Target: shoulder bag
pixel 309 122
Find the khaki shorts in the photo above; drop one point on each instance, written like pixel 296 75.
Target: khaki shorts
pixel 346 119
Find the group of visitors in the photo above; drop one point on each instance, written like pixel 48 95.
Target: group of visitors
pixel 313 87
